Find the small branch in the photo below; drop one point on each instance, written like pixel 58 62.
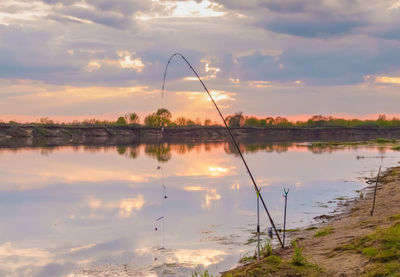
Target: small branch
pixel 376 185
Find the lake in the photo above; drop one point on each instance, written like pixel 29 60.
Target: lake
pixel 163 209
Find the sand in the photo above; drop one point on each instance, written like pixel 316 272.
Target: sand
pixel 353 223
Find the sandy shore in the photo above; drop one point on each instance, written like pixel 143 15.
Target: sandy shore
pixel 353 243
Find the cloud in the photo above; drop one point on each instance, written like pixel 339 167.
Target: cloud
pixel 126 206
pixel 313 27
pixel 286 6
pixel 111 246
pixel 108 18
pixel 250 46
pixel 387 80
pixel 56 269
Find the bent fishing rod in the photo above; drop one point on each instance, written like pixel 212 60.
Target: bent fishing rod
pixel 230 134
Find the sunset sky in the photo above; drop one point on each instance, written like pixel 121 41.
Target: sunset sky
pixel 76 59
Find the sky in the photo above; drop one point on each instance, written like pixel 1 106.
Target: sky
pixel 77 59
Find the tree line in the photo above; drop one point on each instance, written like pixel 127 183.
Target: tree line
pixel 163 118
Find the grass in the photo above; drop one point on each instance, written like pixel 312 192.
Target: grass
pixel 382 248
pixel 274 266
pixel 292 230
pixel 341 198
pixel 199 273
pixel 394 217
pixel 265 251
pixel 298 259
pixel 266 248
pixel 246 259
pixel 354 143
pixel 312 228
pixel 336 143
pixel 323 232
pixel 384 140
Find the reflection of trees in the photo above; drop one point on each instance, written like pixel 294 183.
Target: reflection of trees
pixel 128 151
pixel 162 151
pixel 273 147
pixel 121 150
pixel 180 148
pixel 46 151
pixel 317 148
pixel 256 147
pixel 133 152
pixel 231 149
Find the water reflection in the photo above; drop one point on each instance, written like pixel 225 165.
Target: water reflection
pixel 163 152
pixel 92 211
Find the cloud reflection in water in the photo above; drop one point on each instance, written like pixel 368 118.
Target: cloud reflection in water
pixel 85 211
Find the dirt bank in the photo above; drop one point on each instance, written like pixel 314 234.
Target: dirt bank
pixel 30 135
pixel 351 244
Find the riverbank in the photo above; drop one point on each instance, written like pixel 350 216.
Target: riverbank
pixel 353 243
pixel 57 135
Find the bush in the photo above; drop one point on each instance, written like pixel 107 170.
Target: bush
pixel 121 121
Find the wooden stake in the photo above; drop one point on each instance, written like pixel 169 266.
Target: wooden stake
pixel 376 185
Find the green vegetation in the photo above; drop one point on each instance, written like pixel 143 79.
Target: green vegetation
pixel 341 198
pixel 132 118
pixel 235 121
pixel 323 232
pixel 298 259
pixel 163 117
pixel 394 217
pixel 312 228
pixel 382 248
pixel 384 140
pixel 266 248
pixel 292 230
pixel 275 266
pixel 121 121
pixel 246 259
pixel 333 144
pixel 199 273
pixel 272 266
pixel 273 259
pixel 316 121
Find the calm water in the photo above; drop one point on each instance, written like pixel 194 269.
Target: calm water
pixel 161 210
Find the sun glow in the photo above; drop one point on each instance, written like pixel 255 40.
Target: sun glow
pixel 218 95
pixel 387 80
pixel 206 170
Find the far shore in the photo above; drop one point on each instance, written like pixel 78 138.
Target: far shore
pixel 352 243
pixel 51 134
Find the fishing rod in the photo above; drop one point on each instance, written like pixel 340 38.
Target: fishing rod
pixel 230 134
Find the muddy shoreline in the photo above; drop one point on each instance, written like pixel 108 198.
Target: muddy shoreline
pixel 59 135
pixel 347 244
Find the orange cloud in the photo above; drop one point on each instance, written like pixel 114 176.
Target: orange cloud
pixel 387 80
pixel 218 95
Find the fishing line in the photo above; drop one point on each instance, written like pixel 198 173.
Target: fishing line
pixel 229 131
pixel 164 197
